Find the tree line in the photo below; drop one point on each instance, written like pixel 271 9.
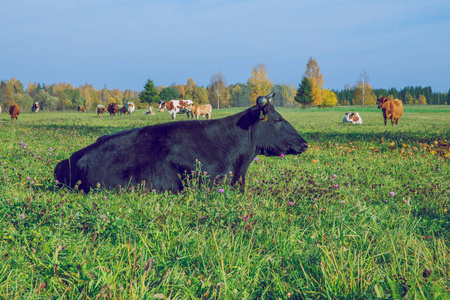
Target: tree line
pixel 220 94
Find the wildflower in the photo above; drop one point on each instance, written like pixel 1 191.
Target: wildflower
pixel 104 197
pixel 28 178
pixel 24 145
pixel 336 186
pixel 32 183
pixel 332 180
pixel 221 191
pixel 315 199
pixel 342 201
pixel 385 200
pixel 56 181
pixel 291 203
pixel 282 155
pixel 256 159
pixel 438 170
pixel 50 149
pixel 154 191
pixel 392 194
pixel 60 205
pixel 334 175
pixel 22 216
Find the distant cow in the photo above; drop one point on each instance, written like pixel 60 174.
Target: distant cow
pixel 150 111
pixel 113 108
pixel 100 109
pixel 392 109
pixel 130 107
pixel 81 108
pixel 354 118
pixel 123 110
pixel 202 110
pixel 175 107
pixel 158 155
pixel 14 111
pixel 35 107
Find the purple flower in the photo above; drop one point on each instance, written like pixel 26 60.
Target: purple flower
pixel 336 186
pixel 385 200
pixel 291 203
pixel 154 190
pixel 256 159
pixel 104 197
pixel 28 178
pixel 342 201
pixel 334 175
pixel 392 194
pixel 282 155
pixel 32 183
pixel 22 216
pixel 50 149
pixel 56 181
pixel 221 191
pixel 438 170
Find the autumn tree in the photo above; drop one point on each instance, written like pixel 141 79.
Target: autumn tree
pixel 6 95
pixel 304 92
pixel 329 98
pixel 422 100
pixel 218 91
pixel 363 91
pixel 180 89
pixel 16 86
pixel 259 83
pixel 189 85
pixel 198 95
pixel 169 93
pixel 149 94
pixel 312 72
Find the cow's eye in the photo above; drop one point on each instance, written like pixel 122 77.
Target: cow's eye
pixel 277 120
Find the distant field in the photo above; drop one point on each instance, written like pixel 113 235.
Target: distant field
pixel 363 214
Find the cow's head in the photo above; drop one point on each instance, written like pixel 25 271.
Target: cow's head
pixel 273 134
pixel 162 104
pixel 381 101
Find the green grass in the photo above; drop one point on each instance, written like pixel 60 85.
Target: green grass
pixel 321 225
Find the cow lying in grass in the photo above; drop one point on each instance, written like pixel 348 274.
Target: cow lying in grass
pixel 202 110
pixel 353 118
pixel 392 109
pixel 158 155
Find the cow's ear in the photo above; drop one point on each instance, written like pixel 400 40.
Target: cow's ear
pixel 263 102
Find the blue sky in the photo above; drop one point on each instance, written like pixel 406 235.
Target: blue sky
pixel 121 44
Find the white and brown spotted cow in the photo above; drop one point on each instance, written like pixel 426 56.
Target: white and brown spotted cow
pixel 175 107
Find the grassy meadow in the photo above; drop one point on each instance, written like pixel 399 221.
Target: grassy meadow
pixel 364 213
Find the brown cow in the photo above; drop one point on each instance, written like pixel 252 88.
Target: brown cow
pixel 392 109
pixel 100 109
pixel 204 110
pixel 81 108
pixel 14 111
pixel 113 108
pixel 123 110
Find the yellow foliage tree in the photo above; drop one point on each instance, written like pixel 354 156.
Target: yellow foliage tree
pixel 422 100
pixel 189 85
pixel 259 83
pixel 312 72
pixel 364 94
pixel 329 98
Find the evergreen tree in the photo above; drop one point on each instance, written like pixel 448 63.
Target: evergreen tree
pixel 149 94
pixel 169 93
pixel 304 92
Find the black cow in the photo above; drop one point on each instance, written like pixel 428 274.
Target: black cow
pixel 158 154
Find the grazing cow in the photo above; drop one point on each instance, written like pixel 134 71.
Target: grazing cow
pixel 100 109
pixel 35 107
pixel 353 118
pixel 130 107
pixel 14 111
pixel 113 108
pixel 392 109
pixel 81 108
pixel 123 110
pixel 204 110
pixel 158 155
pixel 175 107
pixel 150 111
